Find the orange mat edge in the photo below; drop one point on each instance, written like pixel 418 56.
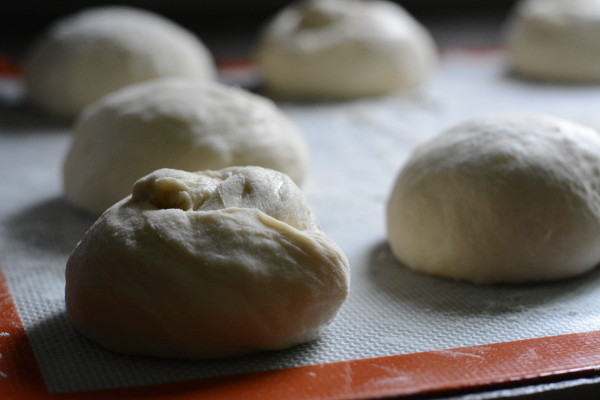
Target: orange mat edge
pixel 418 373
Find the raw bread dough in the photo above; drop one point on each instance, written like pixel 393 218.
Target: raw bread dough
pixel 175 123
pixel 341 49
pixel 510 198
pixel 99 50
pixel 205 265
pixel 556 40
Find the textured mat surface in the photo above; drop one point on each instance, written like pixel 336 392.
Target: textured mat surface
pixel 357 149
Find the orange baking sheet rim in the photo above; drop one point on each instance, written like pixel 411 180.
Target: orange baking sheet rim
pixel 466 368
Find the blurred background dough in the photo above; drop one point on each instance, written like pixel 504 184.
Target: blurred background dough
pixel 343 49
pixel 556 40
pixel 84 56
pixel 175 123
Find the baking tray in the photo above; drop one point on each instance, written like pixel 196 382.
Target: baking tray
pixel 399 333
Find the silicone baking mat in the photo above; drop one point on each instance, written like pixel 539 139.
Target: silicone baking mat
pixel 399 332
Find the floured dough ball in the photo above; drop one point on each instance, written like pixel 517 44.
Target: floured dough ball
pixel 99 50
pixel 557 40
pixel 205 265
pixel 342 49
pixel 501 199
pixel 175 123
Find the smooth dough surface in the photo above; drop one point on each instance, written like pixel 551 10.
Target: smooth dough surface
pixel 557 40
pixel 175 123
pixel 94 52
pixel 205 265
pixel 341 49
pixel 500 199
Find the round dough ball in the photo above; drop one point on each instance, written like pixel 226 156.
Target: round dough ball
pixel 557 40
pixel 87 55
pixel 343 49
pixel 175 123
pixel 206 265
pixel 501 199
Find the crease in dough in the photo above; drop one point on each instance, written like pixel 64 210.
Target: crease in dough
pixel 169 272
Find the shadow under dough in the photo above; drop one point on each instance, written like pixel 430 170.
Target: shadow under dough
pixel 399 283
pixel 21 118
pixel 52 225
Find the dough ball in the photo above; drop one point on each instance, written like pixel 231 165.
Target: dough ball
pixel 501 199
pixel 174 123
pixel 99 50
pixel 342 49
pixel 557 40
pixel 205 265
